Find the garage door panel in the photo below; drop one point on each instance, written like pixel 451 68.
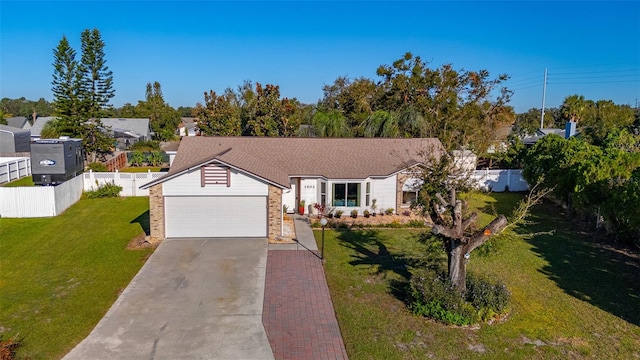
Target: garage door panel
pixel 216 216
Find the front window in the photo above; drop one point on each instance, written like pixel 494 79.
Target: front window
pixel 409 197
pixel 346 194
pixel 323 193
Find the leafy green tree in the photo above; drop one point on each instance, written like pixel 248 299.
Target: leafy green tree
pixel 185 111
pixel 126 111
pixel 527 123
pixel 330 124
pixel 264 113
pixel 163 118
pixel 381 124
pixel 220 114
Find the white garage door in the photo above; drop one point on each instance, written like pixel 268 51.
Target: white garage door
pixel 216 216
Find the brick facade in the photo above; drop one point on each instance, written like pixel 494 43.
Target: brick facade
pixel 274 212
pixel 156 212
pixel 401 178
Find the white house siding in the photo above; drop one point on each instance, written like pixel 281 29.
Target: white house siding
pixel 384 191
pixel 309 192
pixel 189 185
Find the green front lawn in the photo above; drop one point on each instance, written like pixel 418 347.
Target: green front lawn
pixel 570 297
pixel 59 275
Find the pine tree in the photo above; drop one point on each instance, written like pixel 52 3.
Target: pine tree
pixel 97 80
pixel 66 87
pixel 95 92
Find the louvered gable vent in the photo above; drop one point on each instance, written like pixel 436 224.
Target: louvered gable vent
pixel 213 174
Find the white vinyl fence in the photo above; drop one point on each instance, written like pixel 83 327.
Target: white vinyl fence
pixel 13 168
pixel 39 201
pixel 130 182
pixel 500 180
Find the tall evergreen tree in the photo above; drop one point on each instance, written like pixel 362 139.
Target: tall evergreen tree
pixel 82 91
pixel 95 92
pixel 66 88
pixel 97 79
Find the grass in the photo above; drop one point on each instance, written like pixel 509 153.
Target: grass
pixel 25 181
pixel 571 298
pixel 60 275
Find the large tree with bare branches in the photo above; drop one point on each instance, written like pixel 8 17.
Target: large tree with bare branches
pixel 450 222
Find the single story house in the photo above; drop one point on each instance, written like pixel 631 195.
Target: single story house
pixel 187 126
pixel 240 186
pixel 127 131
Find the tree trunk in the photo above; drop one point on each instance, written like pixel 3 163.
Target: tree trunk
pixel 458 267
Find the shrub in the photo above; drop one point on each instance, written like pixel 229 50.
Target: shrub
pixel 432 295
pixel 97 167
pixel 490 298
pixel 137 158
pixel 366 213
pixel 389 211
pixel 354 213
pixel 415 224
pixel 339 213
pixel 406 213
pixel 104 191
pixel 155 158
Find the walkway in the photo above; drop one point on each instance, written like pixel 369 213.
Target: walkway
pixel 298 314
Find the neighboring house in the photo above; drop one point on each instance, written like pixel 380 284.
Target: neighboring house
pixel 187 126
pixel 237 186
pixel 14 140
pixel 567 132
pixel 38 125
pixel 127 131
pixel 171 149
pixel 19 122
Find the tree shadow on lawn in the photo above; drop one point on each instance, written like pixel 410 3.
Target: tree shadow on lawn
pixel 585 267
pixel 371 251
pixel 144 221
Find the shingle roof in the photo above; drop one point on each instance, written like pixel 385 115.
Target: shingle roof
pixel 139 126
pixel 17 121
pixel 39 124
pixel 277 159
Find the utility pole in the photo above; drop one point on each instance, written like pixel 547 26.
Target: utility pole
pixel 544 94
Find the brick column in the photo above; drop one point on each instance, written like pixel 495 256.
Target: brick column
pixel 274 212
pixel 156 212
pixel 400 180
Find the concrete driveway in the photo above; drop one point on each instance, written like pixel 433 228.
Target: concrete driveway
pixel 193 299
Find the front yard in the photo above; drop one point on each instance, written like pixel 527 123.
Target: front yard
pixel 59 276
pixel 571 298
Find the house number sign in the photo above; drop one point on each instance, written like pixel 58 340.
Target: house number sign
pixel 309 186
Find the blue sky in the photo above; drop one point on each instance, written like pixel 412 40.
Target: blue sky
pixel 590 48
